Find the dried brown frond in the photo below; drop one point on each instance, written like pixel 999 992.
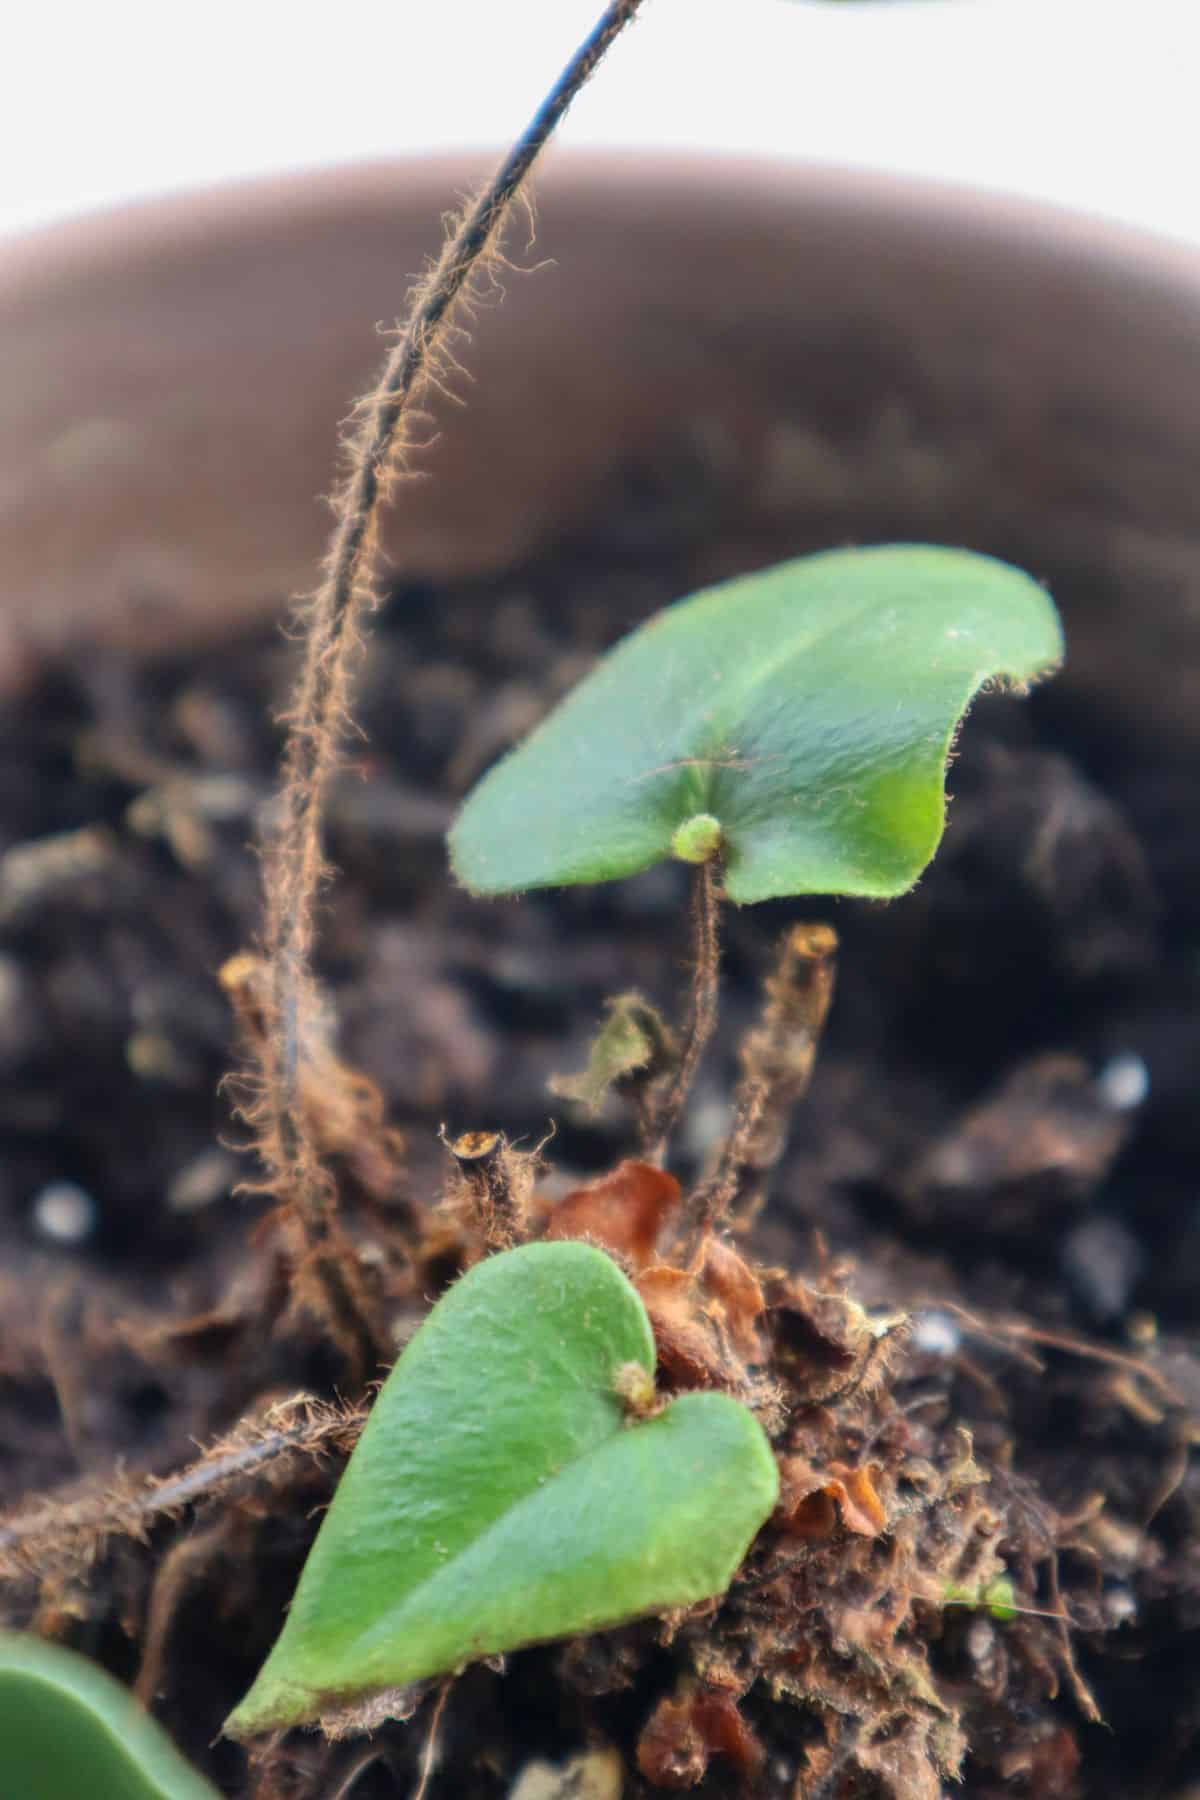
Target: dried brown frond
pixel 71 1532
pixel 828 1346
pixel 706 1330
pixel 811 1500
pixel 293 1040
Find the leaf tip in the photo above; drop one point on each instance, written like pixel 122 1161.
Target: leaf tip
pixel 273 1703
pixel 244 1721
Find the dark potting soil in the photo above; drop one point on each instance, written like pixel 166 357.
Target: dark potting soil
pixel 1000 1139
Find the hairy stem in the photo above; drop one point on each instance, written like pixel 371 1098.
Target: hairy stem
pixel 294 862
pixel 58 1534
pixel 702 1018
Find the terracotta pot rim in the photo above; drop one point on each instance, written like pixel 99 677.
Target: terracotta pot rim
pixel 841 354
pixel 770 181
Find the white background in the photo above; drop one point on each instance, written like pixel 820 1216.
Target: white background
pixel 1088 102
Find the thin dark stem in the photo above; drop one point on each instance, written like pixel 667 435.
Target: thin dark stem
pixel 294 864
pixel 702 1017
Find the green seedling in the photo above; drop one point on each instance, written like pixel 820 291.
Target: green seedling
pixel 515 1482
pixel 998 1598
pixel 505 1492
pixel 68 1729
pixel 795 723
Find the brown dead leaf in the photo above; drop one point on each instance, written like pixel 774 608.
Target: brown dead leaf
pixel 735 1297
pixel 705 1320
pixel 689 1354
pixel 686 1729
pixel 809 1496
pixel 624 1210
pixel 862 1509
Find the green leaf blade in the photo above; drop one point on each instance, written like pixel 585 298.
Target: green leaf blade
pixel 67 1728
pixel 808 709
pixel 497 1497
pixel 564 1557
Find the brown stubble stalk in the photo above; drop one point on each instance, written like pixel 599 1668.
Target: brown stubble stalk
pixel 294 860
pixel 777 1060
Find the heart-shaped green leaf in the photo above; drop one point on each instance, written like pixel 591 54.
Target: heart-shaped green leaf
pixel 498 1496
pixel 68 1729
pixel 802 717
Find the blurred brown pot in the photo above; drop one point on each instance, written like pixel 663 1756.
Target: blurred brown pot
pixel 826 357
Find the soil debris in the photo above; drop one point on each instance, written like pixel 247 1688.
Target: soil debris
pixel 965 1312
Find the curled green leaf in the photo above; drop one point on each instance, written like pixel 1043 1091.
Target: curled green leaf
pixel 804 715
pixel 633 1040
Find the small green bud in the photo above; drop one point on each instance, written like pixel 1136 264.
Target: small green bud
pixel 999 1597
pixel 698 839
